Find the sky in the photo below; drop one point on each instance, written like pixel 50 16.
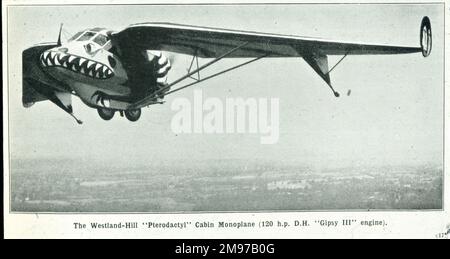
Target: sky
pixel 393 116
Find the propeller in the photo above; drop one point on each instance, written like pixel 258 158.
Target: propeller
pixel 59 35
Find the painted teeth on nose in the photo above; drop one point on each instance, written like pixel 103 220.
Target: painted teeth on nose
pixel 50 61
pixel 63 58
pixel 99 70
pixel 75 63
pixel 82 61
pixel 90 64
pixel 41 59
pixel 46 53
pixel 44 58
pixel 56 61
pixel 71 58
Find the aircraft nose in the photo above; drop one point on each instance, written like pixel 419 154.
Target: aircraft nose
pixel 60 57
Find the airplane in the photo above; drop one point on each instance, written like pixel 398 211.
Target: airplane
pixel 125 71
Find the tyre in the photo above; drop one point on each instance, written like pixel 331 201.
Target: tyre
pixel 133 115
pixel 105 114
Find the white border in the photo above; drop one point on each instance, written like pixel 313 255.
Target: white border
pixel 401 224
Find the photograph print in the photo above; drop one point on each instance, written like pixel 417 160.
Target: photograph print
pixel 225 108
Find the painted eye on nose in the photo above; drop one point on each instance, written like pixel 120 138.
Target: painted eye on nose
pixel 88 48
pixel 112 61
pixel 64 50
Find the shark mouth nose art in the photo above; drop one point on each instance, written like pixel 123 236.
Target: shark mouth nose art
pixel 77 64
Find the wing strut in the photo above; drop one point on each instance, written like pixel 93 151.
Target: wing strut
pixel 198 69
pixel 151 98
pixel 190 66
pixel 337 63
pixel 217 74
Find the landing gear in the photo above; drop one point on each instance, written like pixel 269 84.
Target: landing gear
pixel 108 114
pixel 105 114
pixel 133 115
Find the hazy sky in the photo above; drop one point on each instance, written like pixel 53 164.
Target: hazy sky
pixel 394 114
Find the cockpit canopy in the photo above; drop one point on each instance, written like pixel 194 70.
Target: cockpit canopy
pixel 99 36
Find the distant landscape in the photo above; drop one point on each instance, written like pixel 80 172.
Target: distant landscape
pixel 64 185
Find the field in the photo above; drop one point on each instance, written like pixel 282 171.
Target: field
pixel 225 185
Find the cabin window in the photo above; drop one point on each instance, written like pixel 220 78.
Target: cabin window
pixel 101 39
pixel 76 35
pixel 86 36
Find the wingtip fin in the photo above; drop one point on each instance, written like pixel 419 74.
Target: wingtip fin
pixel 425 36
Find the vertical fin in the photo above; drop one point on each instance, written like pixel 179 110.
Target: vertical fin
pixel 319 63
pixel 64 101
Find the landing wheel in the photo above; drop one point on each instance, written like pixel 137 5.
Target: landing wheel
pixel 106 114
pixel 133 115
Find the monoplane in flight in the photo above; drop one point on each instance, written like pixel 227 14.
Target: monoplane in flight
pixel 127 70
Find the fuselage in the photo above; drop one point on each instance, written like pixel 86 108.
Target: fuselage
pixel 87 66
